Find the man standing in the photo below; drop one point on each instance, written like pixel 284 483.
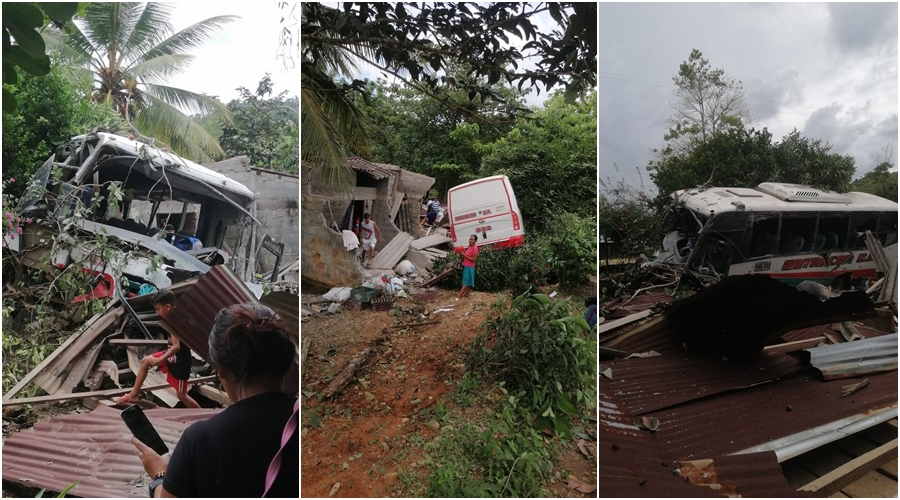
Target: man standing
pixel 367 237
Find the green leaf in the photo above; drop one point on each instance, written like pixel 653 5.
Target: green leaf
pixel 21 19
pixel 9 102
pixel 60 11
pixel 10 77
pixel 34 66
pixel 566 406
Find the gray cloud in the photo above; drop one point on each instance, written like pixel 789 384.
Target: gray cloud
pixel 827 70
pixel 860 26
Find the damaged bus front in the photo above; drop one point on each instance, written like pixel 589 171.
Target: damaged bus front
pixel 792 233
pixel 105 209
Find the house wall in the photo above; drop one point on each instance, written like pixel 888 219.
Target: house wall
pixel 324 260
pixel 276 206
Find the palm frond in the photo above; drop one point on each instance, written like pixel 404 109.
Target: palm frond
pixel 106 22
pixel 159 67
pixel 184 136
pixel 64 50
pixel 150 28
pixel 189 38
pixel 191 101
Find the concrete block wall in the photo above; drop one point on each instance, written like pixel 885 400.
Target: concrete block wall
pixel 323 258
pixel 276 205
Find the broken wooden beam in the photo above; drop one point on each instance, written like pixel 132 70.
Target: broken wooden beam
pixel 347 373
pixel 103 393
pixel 616 323
pixel 212 393
pixel 637 330
pixel 78 343
pixel 797 345
pixel 410 325
pixel 834 481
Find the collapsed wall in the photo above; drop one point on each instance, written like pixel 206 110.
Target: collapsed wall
pixel 324 260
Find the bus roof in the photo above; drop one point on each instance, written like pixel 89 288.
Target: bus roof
pixel 792 198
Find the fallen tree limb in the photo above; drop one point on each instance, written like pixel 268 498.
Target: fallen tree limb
pixel 410 325
pixel 347 373
pixel 108 392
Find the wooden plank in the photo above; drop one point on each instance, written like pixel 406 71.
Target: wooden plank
pixel 391 254
pixel 839 495
pixel 78 341
pixel 429 241
pixel 796 475
pixel 889 469
pixel 851 471
pixel 878 254
pixel 212 393
pixel 796 345
pixel 138 342
pixel 612 325
pixel 659 320
pixel 103 393
pixel 154 377
pixel 872 485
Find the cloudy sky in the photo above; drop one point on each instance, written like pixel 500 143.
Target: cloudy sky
pixel 828 70
pixel 240 54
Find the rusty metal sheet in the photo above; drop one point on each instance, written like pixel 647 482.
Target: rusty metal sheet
pixel 93 448
pixel 645 385
pixel 755 475
pixel 640 303
pixel 746 418
pixel 375 171
pixel 287 306
pixel 832 329
pixel 196 308
pixel 852 359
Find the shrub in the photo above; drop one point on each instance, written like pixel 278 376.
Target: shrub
pixel 572 243
pixel 505 269
pixel 536 347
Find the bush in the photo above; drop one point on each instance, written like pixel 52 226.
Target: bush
pixel 536 347
pixel 572 243
pixel 504 269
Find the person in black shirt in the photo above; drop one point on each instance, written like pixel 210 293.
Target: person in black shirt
pixel 175 362
pixel 231 454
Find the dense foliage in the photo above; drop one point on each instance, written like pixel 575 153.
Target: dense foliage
pixel 50 111
pixel 537 347
pixel 745 158
pixel 880 182
pixel 263 129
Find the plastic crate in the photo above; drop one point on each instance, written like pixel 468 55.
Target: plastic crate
pixel 355 305
pixel 363 294
pixel 382 304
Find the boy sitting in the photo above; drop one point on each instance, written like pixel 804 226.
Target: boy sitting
pixel 174 362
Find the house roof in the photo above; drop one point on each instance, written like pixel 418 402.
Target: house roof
pixel 375 170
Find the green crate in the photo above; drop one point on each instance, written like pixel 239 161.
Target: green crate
pixel 363 294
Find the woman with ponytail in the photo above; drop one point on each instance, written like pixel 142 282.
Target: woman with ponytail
pixel 252 448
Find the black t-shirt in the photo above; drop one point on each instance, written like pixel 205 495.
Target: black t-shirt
pixel 181 368
pixel 229 454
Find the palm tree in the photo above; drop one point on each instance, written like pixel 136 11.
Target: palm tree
pixel 330 122
pixel 126 51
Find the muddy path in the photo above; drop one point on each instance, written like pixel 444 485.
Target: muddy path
pixel 369 437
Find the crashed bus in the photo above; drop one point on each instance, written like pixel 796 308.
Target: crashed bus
pixel 68 217
pixel 790 232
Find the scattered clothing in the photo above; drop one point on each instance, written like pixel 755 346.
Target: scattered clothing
pixel 351 241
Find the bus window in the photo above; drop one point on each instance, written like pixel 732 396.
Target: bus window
pixel 887 228
pixel 796 233
pixel 729 229
pixel 765 237
pixel 860 223
pixel 832 232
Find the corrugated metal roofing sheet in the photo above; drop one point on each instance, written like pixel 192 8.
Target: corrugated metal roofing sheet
pixel 852 359
pixel 196 309
pixel 373 170
pixel 640 303
pixel 832 329
pixel 755 475
pixel 644 385
pixel 93 448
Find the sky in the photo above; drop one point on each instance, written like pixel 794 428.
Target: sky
pixel 238 55
pixel 828 70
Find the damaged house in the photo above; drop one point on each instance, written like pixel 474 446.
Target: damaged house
pixel 389 193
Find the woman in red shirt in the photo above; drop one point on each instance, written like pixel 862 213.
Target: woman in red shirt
pixel 470 255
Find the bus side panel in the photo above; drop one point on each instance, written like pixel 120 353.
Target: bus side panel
pixel 794 269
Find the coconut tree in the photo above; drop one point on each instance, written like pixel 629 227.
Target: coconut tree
pixel 125 52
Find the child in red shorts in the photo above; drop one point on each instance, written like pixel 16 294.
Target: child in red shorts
pixel 175 362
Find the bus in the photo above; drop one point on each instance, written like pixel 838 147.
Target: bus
pixel 790 232
pixel 487 208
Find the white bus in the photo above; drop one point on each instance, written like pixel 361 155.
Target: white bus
pixel 486 208
pixel 790 232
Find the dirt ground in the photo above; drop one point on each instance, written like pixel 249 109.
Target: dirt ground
pixel 367 434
